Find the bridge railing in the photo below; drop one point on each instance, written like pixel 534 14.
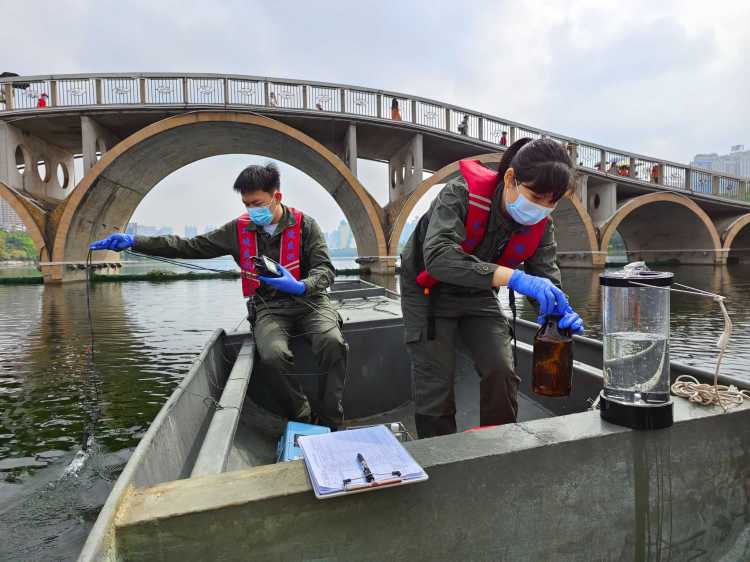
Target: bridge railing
pixel 23 94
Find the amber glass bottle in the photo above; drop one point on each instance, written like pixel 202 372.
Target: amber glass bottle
pixel 553 359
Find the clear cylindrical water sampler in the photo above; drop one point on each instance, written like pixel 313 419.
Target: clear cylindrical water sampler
pixel 635 326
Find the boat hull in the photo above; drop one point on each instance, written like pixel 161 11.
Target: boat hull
pixel 524 491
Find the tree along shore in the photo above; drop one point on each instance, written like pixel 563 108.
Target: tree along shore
pixel 16 246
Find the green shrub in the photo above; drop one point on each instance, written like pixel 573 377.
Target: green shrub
pixel 16 246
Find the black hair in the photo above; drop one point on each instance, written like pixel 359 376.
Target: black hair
pixel 258 178
pixel 542 164
pixel 394 103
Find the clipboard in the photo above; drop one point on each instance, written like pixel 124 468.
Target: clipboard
pixel 334 469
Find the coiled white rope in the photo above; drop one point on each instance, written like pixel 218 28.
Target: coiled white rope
pixel 687 386
pixel 707 394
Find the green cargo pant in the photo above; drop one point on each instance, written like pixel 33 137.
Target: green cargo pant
pixel 320 324
pixel 485 332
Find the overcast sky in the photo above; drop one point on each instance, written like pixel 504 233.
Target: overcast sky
pixel 667 78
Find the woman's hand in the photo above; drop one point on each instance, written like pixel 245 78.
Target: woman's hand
pixel 551 299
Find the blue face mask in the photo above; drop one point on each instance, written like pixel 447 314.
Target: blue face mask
pixel 261 216
pixel 527 212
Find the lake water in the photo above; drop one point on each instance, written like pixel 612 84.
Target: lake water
pixel 145 337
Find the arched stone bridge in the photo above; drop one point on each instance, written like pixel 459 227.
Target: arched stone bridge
pixel 134 130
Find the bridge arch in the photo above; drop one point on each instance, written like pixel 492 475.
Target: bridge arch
pixel 33 217
pixel 737 239
pixel 665 226
pixel 108 195
pixel 575 232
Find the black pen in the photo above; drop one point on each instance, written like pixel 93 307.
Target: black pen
pixel 365 469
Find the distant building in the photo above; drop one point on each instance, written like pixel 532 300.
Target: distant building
pixel 209 228
pixel 191 231
pixel 736 163
pixel 9 220
pixel 145 230
pixel 344 236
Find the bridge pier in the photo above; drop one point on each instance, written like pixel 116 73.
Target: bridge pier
pixel 405 169
pixel 94 138
pixel 54 273
pixel 377 265
pixel 577 244
pixel 47 171
pixel 350 149
pixel 735 237
pixel 601 201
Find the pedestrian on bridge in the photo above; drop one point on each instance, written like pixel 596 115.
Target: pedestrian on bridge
pixel 293 305
pixel 463 126
pixel 469 243
pixel 395 111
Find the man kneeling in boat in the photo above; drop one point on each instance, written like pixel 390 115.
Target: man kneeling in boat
pixel 295 303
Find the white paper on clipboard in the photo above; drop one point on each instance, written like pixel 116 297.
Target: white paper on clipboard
pixel 331 459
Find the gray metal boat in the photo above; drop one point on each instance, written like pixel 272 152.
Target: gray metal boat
pixel 560 484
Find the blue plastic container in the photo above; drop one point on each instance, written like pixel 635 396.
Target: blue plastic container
pixel 288 447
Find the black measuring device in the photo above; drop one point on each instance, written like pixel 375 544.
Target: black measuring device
pixel 266 267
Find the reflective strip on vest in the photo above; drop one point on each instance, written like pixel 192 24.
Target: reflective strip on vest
pixel 291 247
pixel 482 183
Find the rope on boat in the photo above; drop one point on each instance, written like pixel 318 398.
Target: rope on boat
pixel 687 386
pixel 707 394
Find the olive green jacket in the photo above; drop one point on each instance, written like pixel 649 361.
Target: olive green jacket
pixel 435 245
pixel 316 270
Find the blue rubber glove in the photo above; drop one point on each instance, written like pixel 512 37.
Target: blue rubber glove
pixel 115 242
pixel 286 283
pixel 570 320
pixel 551 299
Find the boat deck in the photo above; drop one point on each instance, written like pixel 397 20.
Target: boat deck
pixel 259 430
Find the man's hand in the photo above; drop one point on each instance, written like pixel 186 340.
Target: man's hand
pixel 286 283
pixel 116 242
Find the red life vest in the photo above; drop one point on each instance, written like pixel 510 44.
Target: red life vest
pixel 291 246
pixel 482 183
